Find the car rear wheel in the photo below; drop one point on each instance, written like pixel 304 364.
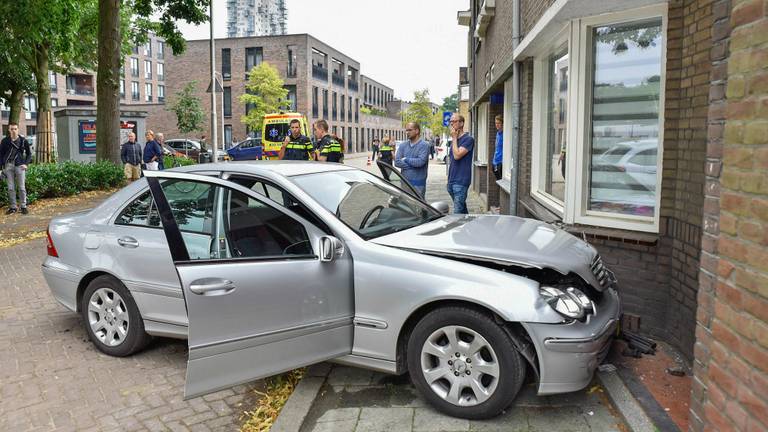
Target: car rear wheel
pixel 464 363
pixel 112 318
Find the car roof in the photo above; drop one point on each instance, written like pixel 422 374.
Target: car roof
pixel 284 168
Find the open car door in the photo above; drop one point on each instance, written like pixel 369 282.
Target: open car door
pixel 266 291
pixel 393 176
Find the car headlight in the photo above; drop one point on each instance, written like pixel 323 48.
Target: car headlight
pixel 570 302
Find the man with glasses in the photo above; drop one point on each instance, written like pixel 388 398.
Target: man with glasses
pixel 460 169
pixel 412 158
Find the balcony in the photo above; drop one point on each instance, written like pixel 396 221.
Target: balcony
pixel 161 99
pixel 80 91
pixel 353 86
pixel 337 79
pixel 319 72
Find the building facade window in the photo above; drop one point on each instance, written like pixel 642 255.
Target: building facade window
pixel 122 88
pixel 30 107
pixel 135 90
pixel 160 72
pixel 349 110
pixel 227 102
pixel 148 92
pixel 226 64
pixel 325 103
pixel 343 105
pixel 31 131
pixel 160 50
pixel 253 57
pixel 314 102
pixel 161 93
pixel 292 61
pixel 357 110
pixel 54 102
pixel 334 115
pixel 228 136
pixel 134 67
pixel 148 48
pixel 147 69
pixel 319 65
pixel 597 157
pixel 291 96
pixel 52 80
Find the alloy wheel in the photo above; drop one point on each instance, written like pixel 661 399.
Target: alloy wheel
pixel 460 365
pixel 108 317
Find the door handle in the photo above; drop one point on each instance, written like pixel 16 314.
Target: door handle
pixel 128 242
pixel 212 287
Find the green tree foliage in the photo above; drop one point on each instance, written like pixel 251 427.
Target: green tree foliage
pixel 188 110
pixel 115 34
pixel 264 93
pixel 451 103
pixel 49 35
pixel 420 110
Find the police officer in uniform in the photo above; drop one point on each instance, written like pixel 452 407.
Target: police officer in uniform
pixel 328 147
pixel 387 150
pixel 296 146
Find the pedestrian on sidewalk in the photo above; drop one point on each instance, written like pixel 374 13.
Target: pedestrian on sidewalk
pixel 413 157
pixel 460 169
pixel 328 147
pixel 498 155
pixel 152 152
pixel 375 149
pixel 295 145
pixel 15 155
pixel 160 138
pixel 130 155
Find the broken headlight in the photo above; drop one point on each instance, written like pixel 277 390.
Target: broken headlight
pixel 569 302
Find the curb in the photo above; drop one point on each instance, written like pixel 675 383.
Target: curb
pixel 296 408
pixel 625 402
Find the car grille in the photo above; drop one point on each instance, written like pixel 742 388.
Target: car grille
pixel 601 273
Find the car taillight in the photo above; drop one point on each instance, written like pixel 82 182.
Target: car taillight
pixel 49 245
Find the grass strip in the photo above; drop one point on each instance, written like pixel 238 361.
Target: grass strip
pixel 271 401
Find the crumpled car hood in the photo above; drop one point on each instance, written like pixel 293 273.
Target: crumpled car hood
pixel 501 239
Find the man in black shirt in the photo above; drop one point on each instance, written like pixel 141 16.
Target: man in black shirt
pixel 296 146
pixel 328 147
pixel 15 155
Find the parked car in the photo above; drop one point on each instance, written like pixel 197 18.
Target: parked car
pixel 269 267
pixel 244 150
pixel 170 151
pixel 192 149
pixel 441 152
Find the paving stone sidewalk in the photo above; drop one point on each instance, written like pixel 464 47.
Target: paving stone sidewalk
pixel 357 400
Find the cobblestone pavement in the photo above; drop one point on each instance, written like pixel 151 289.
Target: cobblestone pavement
pixel 52 378
pixel 356 400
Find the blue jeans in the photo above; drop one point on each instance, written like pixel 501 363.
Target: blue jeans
pixel 458 193
pixel 422 190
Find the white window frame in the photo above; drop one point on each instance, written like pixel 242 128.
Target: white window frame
pixel 540 120
pixel 578 34
pixel 481 145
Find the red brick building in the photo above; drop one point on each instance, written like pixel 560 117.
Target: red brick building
pixel 643 126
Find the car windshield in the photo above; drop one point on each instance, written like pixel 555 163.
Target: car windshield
pixel 366 203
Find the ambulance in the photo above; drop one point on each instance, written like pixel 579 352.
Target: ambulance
pixel 276 128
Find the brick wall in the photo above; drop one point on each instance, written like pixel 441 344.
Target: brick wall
pixel 689 44
pixel 530 12
pixel 730 390
pixel 496 46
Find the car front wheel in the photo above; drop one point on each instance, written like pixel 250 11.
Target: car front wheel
pixel 464 363
pixel 111 318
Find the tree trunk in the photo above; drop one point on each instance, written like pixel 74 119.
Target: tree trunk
pixel 17 103
pixel 43 148
pixel 108 82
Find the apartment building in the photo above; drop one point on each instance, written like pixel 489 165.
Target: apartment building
pixel 246 18
pixel 640 125
pixel 143 81
pixel 322 83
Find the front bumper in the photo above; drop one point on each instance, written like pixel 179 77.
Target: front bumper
pixel 569 353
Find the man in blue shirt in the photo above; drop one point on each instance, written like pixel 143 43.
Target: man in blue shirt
pixel 460 169
pixel 498 155
pixel 412 158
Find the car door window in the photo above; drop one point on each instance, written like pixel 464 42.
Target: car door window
pixel 246 144
pixel 192 206
pixel 137 212
pixel 281 197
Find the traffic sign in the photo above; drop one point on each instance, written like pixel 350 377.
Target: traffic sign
pixel 447 117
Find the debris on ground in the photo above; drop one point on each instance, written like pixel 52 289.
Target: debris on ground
pixel 676 371
pixel 637 345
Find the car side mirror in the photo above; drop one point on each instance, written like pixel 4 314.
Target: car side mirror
pixel 330 248
pixel 440 206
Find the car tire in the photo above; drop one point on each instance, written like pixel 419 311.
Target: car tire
pixel 111 318
pixel 484 349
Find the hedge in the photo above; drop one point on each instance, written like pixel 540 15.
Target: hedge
pixel 52 180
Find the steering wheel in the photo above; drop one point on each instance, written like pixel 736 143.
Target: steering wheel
pixel 368 215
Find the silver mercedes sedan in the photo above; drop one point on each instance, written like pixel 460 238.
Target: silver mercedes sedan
pixel 269 266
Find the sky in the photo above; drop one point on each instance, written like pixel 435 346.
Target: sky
pixel 407 45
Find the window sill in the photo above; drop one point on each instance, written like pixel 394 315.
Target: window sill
pixel 591 232
pixel 505 185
